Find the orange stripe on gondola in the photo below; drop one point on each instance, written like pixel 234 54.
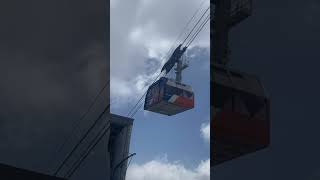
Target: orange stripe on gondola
pixel 185 102
pixel 237 126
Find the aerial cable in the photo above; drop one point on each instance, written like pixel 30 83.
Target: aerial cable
pixel 78 122
pixel 190 40
pixel 181 33
pixel 204 22
pixel 167 55
pixel 70 173
pixel 142 96
pixel 82 139
pixel 138 108
pixel 198 30
pixel 195 25
pixel 184 29
pixel 172 46
pixel 85 154
pixel 133 111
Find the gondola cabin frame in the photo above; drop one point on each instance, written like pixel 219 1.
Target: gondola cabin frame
pixel 240 121
pixel 168 97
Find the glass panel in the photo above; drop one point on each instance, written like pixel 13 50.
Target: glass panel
pixel 179 92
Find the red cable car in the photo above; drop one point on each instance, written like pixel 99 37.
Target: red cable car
pixel 166 96
pixel 240 10
pixel 241 115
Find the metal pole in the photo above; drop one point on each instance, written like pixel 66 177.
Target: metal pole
pixel 121 163
pixel 179 71
pixel 180 67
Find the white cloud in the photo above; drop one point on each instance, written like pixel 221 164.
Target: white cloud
pixel 120 88
pixel 141 30
pixel 162 169
pixel 205 131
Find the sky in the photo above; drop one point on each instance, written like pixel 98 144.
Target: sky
pixel 142 32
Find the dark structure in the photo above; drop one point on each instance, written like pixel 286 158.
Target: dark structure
pixel 116 132
pixel 13 173
pixel 119 138
pixel 241 111
pixel 240 106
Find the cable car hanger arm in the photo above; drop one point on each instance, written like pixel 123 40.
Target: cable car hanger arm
pixel 175 57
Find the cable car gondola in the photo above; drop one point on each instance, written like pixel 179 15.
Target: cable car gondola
pixel 241 116
pixel 168 96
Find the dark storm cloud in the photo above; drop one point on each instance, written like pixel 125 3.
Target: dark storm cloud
pixel 53 61
pixel 280 44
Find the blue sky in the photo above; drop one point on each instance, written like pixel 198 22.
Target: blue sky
pixel 141 35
